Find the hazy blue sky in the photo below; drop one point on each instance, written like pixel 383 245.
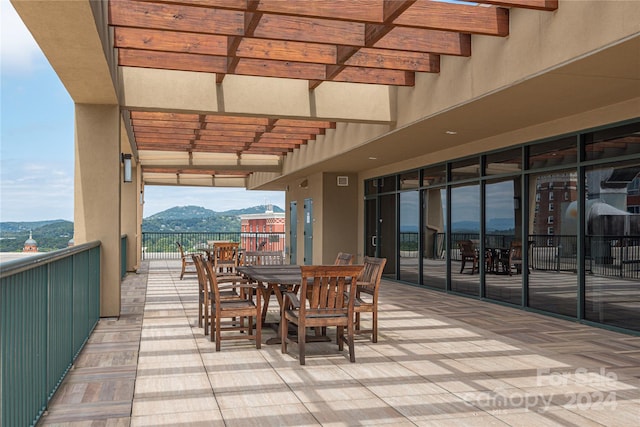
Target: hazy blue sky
pixel 36 141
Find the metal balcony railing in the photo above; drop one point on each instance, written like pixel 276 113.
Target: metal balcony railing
pixel 162 245
pixel 49 305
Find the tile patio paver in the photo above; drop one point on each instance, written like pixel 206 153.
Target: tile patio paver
pixel 432 366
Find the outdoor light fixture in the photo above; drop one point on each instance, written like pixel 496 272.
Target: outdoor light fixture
pixel 126 160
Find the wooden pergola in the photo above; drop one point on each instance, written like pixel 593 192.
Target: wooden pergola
pixel 356 41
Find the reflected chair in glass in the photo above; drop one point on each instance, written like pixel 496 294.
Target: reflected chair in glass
pixel 326 287
pixel 367 295
pixel 515 257
pixel 468 253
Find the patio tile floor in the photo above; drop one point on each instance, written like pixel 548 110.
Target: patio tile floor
pixel 448 361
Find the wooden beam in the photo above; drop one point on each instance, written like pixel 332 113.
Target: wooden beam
pixel 170 41
pixel 215 119
pixel 291 70
pixel 428 41
pixel 287 136
pixel 168 124
pixel 251 21
pixel 395 60
pixel 171 61
pixel 222 4
pixel 376 76
pixel 128 13
pixel 525 4
pixel 353 10
pixel 160 130
pixel 284 50
pixel 305 123
pixel 492 21
pixel 296 129
pixel 301 29
pixel 220 127
pixel 159 115
pixel 223 138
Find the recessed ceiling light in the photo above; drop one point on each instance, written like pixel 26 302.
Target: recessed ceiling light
pixel 451 132
pixel 373 158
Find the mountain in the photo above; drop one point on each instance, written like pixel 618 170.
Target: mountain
pixel 16 227
pixel 55 234
pixel 199 219
pixel 182 212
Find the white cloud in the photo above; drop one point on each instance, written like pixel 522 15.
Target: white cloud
pixel 35 192
pixel 19 51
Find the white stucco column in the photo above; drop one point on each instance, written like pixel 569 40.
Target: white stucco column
pixel 97 193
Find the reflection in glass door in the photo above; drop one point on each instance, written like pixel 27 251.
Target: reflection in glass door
pixel 434 260
pixel 465 243
pixel 503 271
pixel 409 236
pixel 387 233
pixel 553 279
pixel 612 245
pixel 380 231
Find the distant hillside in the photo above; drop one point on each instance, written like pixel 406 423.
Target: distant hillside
pixel 55 234
pixel 15 227
pixel 50 235
pixel 197 218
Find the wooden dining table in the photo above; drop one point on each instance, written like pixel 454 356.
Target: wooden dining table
pixel 275 279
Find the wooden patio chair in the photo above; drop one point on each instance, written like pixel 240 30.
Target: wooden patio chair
pixel 344 258
pixel 225 257
pixel 468 253
pixel 367 295
pixel 188 267
pixel 266 258
pixel 241 311
pixel 326 306
pixel 204 295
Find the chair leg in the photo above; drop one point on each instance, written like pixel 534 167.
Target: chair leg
pixel 217 333
pixel 301 342
pixel 284 327
pixel 462 267
pixel 374 320
pixel 350 343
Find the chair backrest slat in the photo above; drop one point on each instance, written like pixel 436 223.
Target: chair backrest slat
pixel 344 258
pixel 372 272
pixel 325 287
pixel 263 258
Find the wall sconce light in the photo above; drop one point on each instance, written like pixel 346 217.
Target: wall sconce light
pixel 126 160
pixel 304 184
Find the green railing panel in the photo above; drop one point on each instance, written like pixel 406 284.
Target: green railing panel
pixel 49 305
pixel 81 300
pixel 60 321
pixel 24 347
pixel 94 288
